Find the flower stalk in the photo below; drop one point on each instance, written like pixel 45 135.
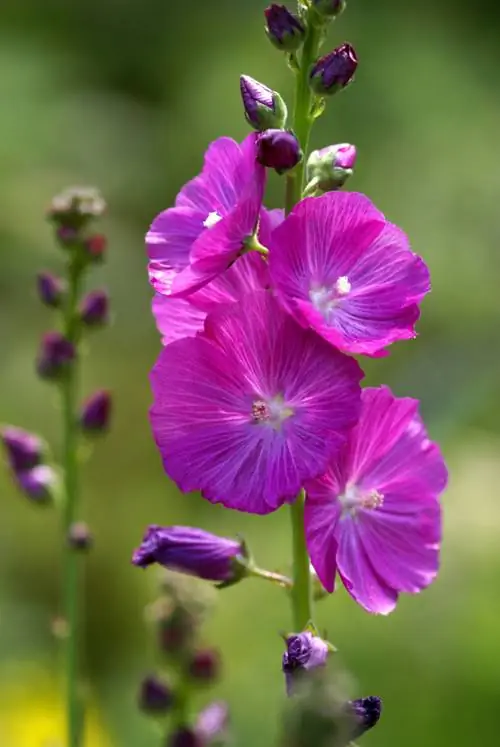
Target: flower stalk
pixel 301 592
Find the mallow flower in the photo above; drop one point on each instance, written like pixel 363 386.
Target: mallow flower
pixel 374 516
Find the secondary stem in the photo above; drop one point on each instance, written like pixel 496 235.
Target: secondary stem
pixel 302 597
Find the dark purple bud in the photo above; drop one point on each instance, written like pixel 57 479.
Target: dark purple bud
pixel 366 713
pixel 55 355
pixel 263 107
pixel 329 168
pixel 205 665
pixel 279 150
pixel 94 309
pixel 96 412
pixel 305 651
pixel 76 206
pixel 213 721
pixel 38 483
pixel 95 248
pixel 24 450
pixel 283 28
pixel 51 289
pixel 329 8
pixel 190 550
pixel 185 737
pixel 155 696
pixel 334 71
pixel 80 536
pixel 176 631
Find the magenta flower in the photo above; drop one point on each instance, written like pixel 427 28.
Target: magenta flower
pixel 375 516
pixel 251 408
pixel 184 317
pixel 193 242
pixel 340 267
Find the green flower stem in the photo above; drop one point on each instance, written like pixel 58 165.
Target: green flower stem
pixel 274 578
pixel 72 581
pixel 301 593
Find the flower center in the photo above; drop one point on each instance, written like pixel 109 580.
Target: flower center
pixel 271 412
pixel 211 219
pixel 325 299
pixel 355 499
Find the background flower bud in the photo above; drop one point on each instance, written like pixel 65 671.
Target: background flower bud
pixel 329 8
pixel 24 450
pixel 80 536
pixel 334 71
pixel 283 28
pixel 279 150
pixel 76 206
pixel 51 289
pixel 155 695
pixel 94 309
pixel 212 722
pixel 263 107
pixel 204 665
pixel 95 414
pixel 367 712
pixel 95 247
pixel 329 168
pixel 38 483
pixel 56 353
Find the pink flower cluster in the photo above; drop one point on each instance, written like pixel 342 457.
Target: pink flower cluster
pixel 256 391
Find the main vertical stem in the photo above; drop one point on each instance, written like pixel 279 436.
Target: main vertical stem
pixel 72 559
pixel 302 601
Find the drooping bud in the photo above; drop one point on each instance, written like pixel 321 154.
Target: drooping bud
pixel 95 414
pixel 334 71
pixel 279 150
pixel 264 108
pixel 55 355
pixel 24 450
pixel 366 712
pixel 305 651
pixel 94 309
pixel 329 168
pixel 329 8
pixel 79 536
pixel 204 665
pixel 212 722
pixel 155 695
pixel 284 29
pixel 193 551
pixel 38 483
pixel 76 206
pixel 51 289
pixel 95 248
pixel 185 737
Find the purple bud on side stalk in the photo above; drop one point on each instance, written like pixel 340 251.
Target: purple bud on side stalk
pixel 55 355
pixel 204 665
pixel 329 168
pixel 334 71
pixel 185 737
pixel 80 536
pixel 213 721
pixel 155 696
pixel 51 289
pixel 263 107
pixel 279 150
pixel 329 8
pixel 305 651
pixel 283 28
pixel 24 450
pixel 94 309
pixel 366 712
pixel 38 483
pixel 191 550
pixel 96 413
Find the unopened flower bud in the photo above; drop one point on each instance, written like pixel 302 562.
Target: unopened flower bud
pixel 212 722
pixel 96 413
pixel 284 29
pixel 94 309
pixel 193 551
pixel 80 536
pixel 366 712
pixel 279 150
pixel 95 248
pixel 55 355
pixel 305 651
pixel 24 450
pixel 334 71
pixel 204 665
pixel 176 631
pixel 76 206
pixel 155 695
pixel 329 8
pixel 38 483
pixel 264 108
pixel 51 289
pixel 185 737
pixel 329 168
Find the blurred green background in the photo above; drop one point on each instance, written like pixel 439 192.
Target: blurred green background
pixel 127 95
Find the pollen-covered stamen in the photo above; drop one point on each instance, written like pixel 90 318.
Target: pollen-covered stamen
pixel 271 412
pixel 373 499
pixel 325 299
pixel 354 499
pixel 211 219
pixel 260 411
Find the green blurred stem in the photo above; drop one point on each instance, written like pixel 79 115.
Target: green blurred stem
pixel 301 593
pixel 72 580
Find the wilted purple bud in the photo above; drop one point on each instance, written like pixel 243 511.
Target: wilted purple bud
pixel 283 28
pixel 264 107
pixel 94 309
pixel 55 355
pixel 366 712
pixel 329 8
pixel 185 737
pixel 205 665
pixel 155 696
pixel 191 550
pixel 305 651
pixel 38 483
pixel 96 412
pixel 329 168
pixel 213 721
pixel 24 450
pixel 80 536
pixel 76 206
pixel 334 71
pixel 51 289
pixel 279 150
